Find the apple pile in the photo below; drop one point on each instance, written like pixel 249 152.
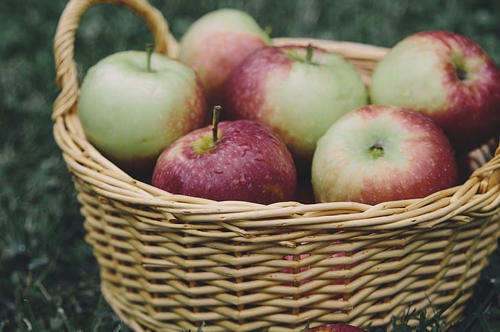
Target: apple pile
pixel 238 118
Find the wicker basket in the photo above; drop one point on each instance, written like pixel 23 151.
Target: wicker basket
pixel 170 262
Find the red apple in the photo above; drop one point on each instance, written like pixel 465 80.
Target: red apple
pixel 216 43
pixel 134 104
pixel 334 328
pixel 246 161
pixel 447 77
pixel 380 153
pixel 297 91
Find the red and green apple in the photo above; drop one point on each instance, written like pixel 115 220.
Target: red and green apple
pixel 446 76
pixel 297 91
pixel 216 43
pixel 379 153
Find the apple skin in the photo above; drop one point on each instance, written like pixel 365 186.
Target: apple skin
pixel 131 114
pixel 379 153
pixel 248 163
pixel 215 44
pixel 340 327
pixel 447 77
pixel 296 98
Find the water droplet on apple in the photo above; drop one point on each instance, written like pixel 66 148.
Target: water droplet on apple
pixel 273 139
pixel 257 137
pixel 243 148
pixel 268 178
pixel 218 171
pixel 259 157
pixel 243 180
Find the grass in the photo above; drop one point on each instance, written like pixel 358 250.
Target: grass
pixel 49 279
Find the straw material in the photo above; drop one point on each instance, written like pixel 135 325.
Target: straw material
pixel 170 262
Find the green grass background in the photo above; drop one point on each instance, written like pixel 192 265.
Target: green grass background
pixel 48 277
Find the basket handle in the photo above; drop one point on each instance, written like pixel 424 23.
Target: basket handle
pixel 66 69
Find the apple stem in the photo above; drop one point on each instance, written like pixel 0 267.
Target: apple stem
pixel 149 53
pixel 215 123
pixel 377 151
pixel 462 74
pixel 268 30
pixel 309 54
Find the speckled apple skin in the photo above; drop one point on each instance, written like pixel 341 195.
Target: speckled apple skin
pixel 249 163
pixel 418 158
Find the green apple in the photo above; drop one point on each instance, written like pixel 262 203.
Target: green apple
pixel 216 43
pixel 134 104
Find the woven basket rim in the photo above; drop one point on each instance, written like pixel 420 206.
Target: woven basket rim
pixel 478 194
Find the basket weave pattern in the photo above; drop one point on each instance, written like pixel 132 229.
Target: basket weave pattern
pixel 169 262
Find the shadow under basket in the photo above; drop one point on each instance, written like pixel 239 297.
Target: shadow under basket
pixel 171 262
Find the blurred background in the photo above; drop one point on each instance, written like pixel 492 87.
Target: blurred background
pixel 49 279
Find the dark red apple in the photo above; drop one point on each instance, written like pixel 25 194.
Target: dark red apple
pixel 246 162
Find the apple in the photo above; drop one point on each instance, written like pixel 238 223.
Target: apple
pixel 231 160
pixel 216 43
pixel 133 104
pixel 339 327
pixel 446 76
pixel 297 91
pixel 379 153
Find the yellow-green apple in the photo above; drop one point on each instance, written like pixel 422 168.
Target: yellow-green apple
pixel 134 104
pixel 297 91
pixel 234 160
pixel 446 76
pixel 379 153
pixel 216 43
